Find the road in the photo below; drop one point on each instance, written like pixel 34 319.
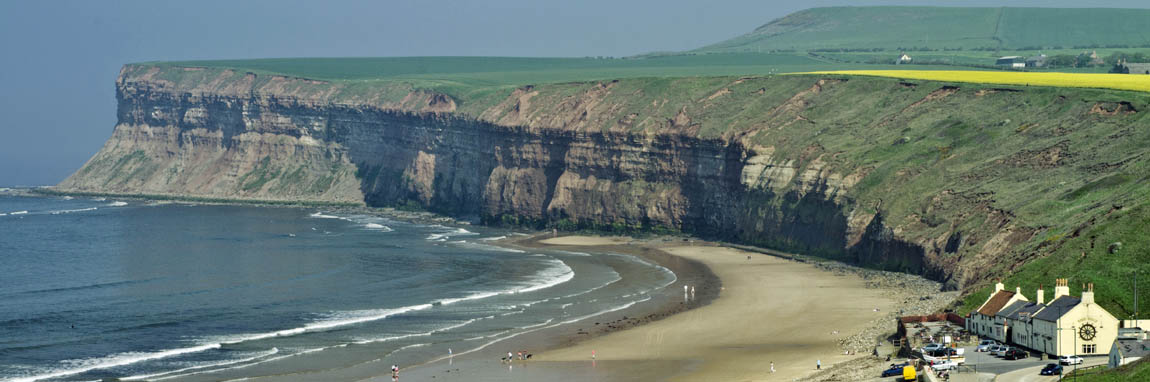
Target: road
pixel 1031 374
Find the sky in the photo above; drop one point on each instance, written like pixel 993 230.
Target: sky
pixel 59 59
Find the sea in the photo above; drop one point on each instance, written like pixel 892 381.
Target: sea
pixel 98 289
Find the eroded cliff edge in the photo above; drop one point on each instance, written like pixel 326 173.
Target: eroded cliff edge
pixel 956 182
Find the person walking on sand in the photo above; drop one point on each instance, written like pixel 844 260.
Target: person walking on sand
pixel 772 367
pixel 394 370
pixel 818 364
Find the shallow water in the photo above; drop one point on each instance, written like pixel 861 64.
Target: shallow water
pixel 101 288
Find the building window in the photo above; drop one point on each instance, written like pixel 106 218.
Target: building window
pixel 1089 349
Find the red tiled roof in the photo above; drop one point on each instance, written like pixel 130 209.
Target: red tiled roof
pixel 996 302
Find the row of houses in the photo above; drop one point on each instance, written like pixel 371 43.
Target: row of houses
pixel 1066 325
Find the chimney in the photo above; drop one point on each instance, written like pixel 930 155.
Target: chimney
pixel 1061 288
pixel 1088 294
pixel 999 287
pixel 1041 298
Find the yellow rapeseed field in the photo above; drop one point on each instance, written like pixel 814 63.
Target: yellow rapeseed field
pixel 1071 80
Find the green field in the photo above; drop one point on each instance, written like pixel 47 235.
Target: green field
pixel 461 76
pixel 941 28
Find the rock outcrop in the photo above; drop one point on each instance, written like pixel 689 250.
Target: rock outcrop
pixel 904 181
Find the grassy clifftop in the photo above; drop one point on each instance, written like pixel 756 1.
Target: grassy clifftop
pixel 1026 184
pixel 907 28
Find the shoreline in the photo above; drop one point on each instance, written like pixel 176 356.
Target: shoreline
pixel 732 336
pixel 564 348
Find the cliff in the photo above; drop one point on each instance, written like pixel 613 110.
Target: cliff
pixel 962 183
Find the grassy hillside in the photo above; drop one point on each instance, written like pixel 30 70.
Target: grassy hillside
pixel 940 28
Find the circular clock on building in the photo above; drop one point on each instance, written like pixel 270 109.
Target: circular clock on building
pixel 1087 332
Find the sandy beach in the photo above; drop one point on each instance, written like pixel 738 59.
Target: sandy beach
pixel 769 309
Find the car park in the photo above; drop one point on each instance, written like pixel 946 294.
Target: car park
pixel 1000 351
pixel 1070 360
pixel 1051 369
pixel 1014 354
pixel 985 345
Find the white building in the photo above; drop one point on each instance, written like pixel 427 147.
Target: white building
pixel 1072 326
pixel 982 321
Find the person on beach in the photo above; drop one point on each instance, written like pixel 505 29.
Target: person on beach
pixel 394 371
pixel 818 364
pixel 772 366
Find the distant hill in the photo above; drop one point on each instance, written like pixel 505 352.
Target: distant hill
pixel 912 28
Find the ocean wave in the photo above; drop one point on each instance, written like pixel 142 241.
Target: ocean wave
pixel 444 235
pixel 557 274
pixel 493 238
pixel 117 204
pixel 320 215
pixel 580 254
pixel 473 296
pixel 333 320
pixel 79 366
pixel 481 246
pixel 14 213
pixel 423 334
pixel 169 374
pixel 58 212
pixel 377 227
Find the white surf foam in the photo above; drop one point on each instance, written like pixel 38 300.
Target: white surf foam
pixel 493 238
pixel 169 374
pixel 14 213
pixel 424 334
pixel 320 215
pixel 556 274
pixel 484 247
pixel 444 235
pixel 473 296
pixel 58 212
pixel 117 204
pixel 377 227
pixel 580 254
pixel 79 366
pixel 334 320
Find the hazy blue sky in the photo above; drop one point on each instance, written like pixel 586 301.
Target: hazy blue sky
pixel 59 58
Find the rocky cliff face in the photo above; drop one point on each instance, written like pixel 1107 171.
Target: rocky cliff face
pixel 902 180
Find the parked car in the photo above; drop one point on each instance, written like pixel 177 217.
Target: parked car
pixel 985 345
pixel 1051 369
pixel 940 366
pixel 1000 351
pixel 894 371
pixel 1070 360
pixel 932 347
pixel 940 353
pixel 1014 354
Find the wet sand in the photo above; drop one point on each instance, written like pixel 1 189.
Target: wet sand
pixel 768 310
